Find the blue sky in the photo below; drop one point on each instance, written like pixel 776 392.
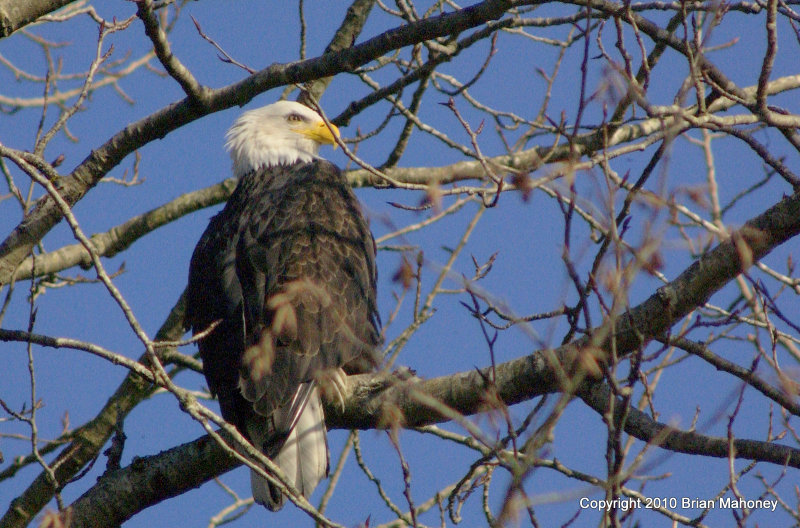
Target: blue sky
pixel 528 275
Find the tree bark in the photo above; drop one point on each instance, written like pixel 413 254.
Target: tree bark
pixel 15 14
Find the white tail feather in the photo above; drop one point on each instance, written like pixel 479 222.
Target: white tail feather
pixel 303 458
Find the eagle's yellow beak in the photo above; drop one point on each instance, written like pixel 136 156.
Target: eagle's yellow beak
pixel 320 133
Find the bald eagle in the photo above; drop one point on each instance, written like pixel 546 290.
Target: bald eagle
pixel 288 270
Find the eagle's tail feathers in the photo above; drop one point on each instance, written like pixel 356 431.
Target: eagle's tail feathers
pixel 303 458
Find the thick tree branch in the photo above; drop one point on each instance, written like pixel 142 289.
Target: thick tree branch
pixel 149 480
pixel 120 494
pixel 15 14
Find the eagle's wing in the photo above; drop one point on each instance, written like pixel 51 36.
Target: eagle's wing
pixel 308 281
pixel 214 295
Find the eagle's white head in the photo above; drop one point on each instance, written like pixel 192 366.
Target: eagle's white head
pixel 278 134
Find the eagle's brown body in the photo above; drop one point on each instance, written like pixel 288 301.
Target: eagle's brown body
pixel 288 267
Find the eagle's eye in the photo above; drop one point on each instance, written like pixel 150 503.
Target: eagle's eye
pixel 294 117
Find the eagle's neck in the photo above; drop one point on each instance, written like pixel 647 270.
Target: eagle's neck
pixel 269 158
